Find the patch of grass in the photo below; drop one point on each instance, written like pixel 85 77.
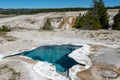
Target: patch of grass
pixel 12 79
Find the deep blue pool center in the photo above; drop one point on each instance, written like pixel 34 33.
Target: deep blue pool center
pixel 55 54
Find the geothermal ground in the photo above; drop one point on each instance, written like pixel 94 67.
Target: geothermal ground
pixel 100 52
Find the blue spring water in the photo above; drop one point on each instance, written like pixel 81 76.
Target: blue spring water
pixel 55 54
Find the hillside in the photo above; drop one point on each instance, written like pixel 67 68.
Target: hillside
pixel 58 20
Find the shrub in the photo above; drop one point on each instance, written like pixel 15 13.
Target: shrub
pixel 47 25
pixel 5 28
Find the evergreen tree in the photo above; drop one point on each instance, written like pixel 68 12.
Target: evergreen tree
pixel 47 25
pixel 91 22
pixel 96 18
pixel 95 8
pixel 79 22
pixel 116 24
pixel 87 21
pixel 100 11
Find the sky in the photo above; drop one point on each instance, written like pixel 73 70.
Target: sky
pixel 52 3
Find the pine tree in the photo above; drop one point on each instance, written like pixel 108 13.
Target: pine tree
pixel 100 11
pixel 87 21
pixel 96 18
pixel 47 25
pixel 91 22
pixel 116 24
pixel 79 22
pixel 95 8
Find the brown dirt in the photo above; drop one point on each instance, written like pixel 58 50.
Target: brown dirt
pixel 92 73
pixel 25 59
pixel 95 48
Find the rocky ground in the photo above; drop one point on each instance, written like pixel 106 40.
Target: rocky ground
pixel 104 49
pixel 104 52
pixel 105 66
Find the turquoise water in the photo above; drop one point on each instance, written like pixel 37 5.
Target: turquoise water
pixel 55 54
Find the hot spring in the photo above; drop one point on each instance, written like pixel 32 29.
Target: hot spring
pixel 55 54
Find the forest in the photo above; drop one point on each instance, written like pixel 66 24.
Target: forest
pixel 35 11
